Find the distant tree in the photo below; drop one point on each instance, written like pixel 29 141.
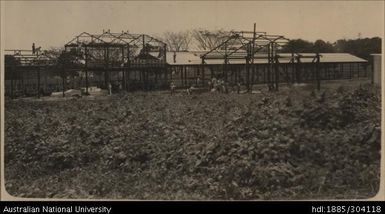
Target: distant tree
pixel 321 46
pixel 53 52
pixel 299 46
pixel 68 59
pixel 207 40
pixel 359 47
pixel 179 41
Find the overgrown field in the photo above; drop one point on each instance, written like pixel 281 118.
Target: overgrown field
pixel 287 145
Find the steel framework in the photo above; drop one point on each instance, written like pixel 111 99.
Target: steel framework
pixel 139 61
pixel 121 52
pixel 253 45
pixel 19 61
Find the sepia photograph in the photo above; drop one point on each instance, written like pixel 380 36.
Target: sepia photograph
pixel 192 100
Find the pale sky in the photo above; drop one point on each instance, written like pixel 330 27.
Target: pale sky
pixel 52 24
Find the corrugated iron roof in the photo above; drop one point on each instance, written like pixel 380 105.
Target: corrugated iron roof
pixel 193 58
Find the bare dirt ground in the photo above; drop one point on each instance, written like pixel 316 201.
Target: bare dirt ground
pixel 291 144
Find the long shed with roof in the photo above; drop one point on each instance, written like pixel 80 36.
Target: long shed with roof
pixel 186 67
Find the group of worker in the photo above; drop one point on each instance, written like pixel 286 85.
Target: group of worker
pixel 109 87
pixel 218 85
pixel 214 85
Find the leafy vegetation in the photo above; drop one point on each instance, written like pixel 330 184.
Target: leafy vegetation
pixel 361 47
pixel 287 145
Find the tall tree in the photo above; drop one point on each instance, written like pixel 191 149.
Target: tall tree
pixel 53 52
pixel 178 41
pixel 207 40
pixel 359 47
pixel 299 46
pixel 323 47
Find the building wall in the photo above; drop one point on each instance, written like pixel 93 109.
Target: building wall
pixel 184 76
pixel 377 69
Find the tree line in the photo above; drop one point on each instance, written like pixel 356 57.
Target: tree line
pixel 361 47
pixel 206 40
pixel 198 39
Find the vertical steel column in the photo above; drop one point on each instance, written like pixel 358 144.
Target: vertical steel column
pixel 196 75
pixel 11 78
pixel 318 72
pixel 86 68
pixel 167 68
pixel 144 71
pixel 203 74
pixel 38 82
pixel 143 43
pixel 293 77
pixel 22 80
pixel 106 72
pixel 265 81
pixel 224 71
pixel 236 74
pixel 342 73
pixel 63 81
pixel 287 74
pixel 123 70
pixel 128 69
pixel 252 54
pixel 45 80
pixel 181 76
pixel 335 71
pixel 62 71
pixel 257 71
pixel 155 83
pixel 185 76
pixel 350 71
pixel 252 75
pixel 299 69
pixel 253 46
pixel 225 68
pixel 276 72
pixel 247 74
pixel 270 67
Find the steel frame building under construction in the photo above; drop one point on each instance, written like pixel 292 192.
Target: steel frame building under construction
pixel 120 56
pixel 138 61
